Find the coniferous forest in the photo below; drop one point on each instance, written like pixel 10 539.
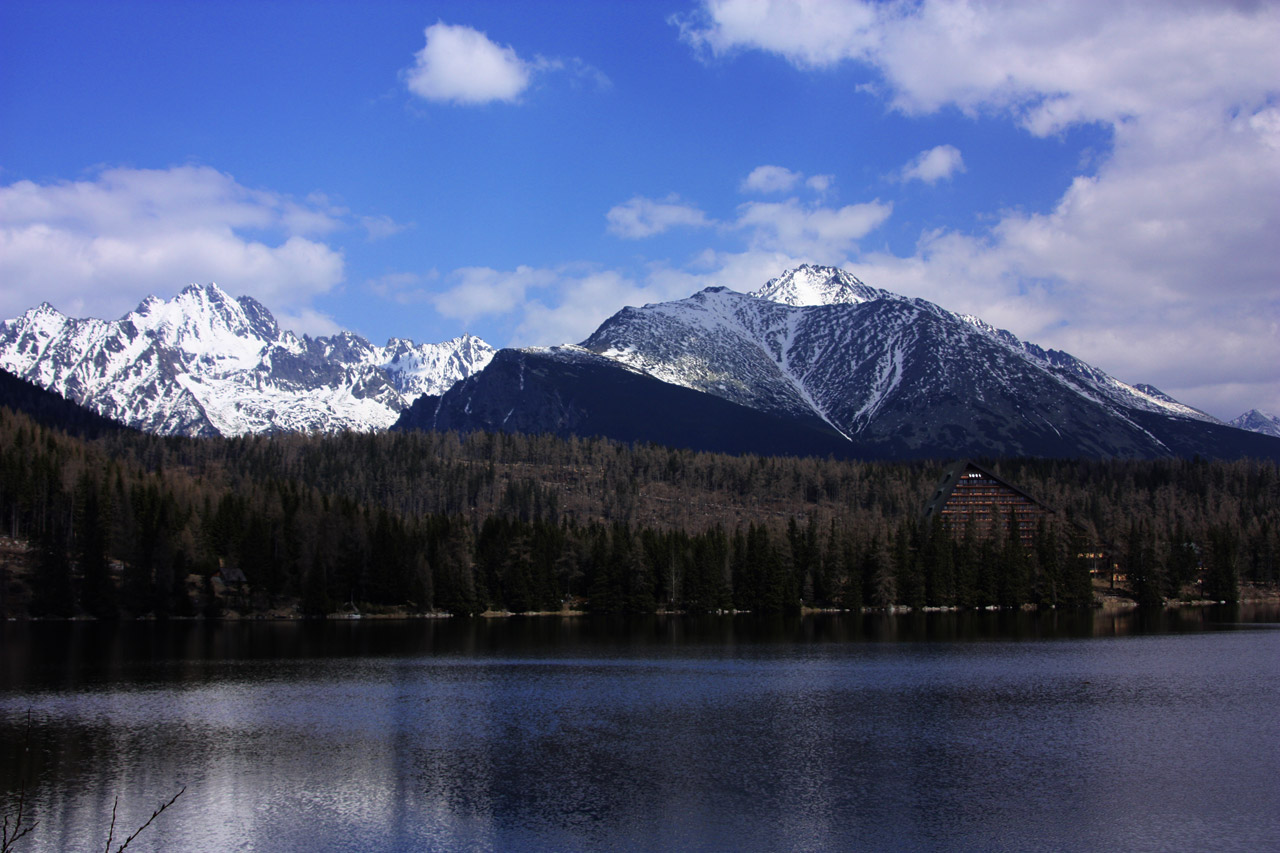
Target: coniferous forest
pixel 124 524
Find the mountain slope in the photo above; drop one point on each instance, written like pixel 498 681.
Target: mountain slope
pixel 1261 422
pixel 816 285
pixel 206 364
pixel 893 377
pixel 571 391
pixel 52 410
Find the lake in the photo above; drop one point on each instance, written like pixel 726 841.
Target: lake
pixel 976 731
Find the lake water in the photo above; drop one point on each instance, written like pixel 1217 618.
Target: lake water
pixel 927 732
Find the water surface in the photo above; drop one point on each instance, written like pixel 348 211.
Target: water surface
pixel 941 731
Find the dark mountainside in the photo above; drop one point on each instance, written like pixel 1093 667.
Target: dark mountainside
pixel 597 398
pixel 538 391
pixel 885 377
pixel 52 410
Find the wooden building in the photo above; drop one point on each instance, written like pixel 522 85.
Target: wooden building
pixel 970 496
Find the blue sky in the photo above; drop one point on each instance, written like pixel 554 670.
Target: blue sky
pixel 1100 177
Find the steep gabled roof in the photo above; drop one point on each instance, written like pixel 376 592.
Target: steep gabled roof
pixel 953 476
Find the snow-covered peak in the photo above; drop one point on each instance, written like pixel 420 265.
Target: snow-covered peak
pixel 818 285
pixel 1258 421
pixel 204 363
pixel 796 343
pixel 202 321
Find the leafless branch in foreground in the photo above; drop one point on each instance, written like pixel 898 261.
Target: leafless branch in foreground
pixel 11 836
pixel 155 814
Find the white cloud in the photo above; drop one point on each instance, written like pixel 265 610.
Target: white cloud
pixel 1059 63
pixel 565 304
pixel 822 234
pixel 307 321
pixel 810 33
pixel 580 301
pixel 642 217
pixel 771 179
pixel 543 305
pixel 934 165
pixel 779 179
pixel 482 291
pixel 1160 265
pixel 1054 63
pixel 820 184
pixel 97 246
pixel 461 65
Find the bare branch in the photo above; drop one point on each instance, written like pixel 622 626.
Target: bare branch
pixel 154 815
pixel 112 831
pixel 6 840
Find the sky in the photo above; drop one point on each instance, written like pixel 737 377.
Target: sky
pixel 1097 176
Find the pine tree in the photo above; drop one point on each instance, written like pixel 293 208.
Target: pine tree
pixel 97 591
pixel 1222 575
pixel 51 584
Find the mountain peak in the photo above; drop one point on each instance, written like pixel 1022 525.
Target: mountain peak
pixel 1258 421
pixel 819 285
pixel 203 363
pixel 209 291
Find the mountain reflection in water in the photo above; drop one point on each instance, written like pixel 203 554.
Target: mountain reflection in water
pixel 1060 731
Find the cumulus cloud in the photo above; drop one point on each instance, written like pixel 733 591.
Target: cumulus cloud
pixel 474 292
pixel 810 33
pixel 779 179
pixel 549 305
pixel 97 246
pixel 771 179
pixel 1053 63
pixel 642 217
pixel 461 65
pixel 1159 266
pixel 934 165
pixel 823 234
pixel 820 183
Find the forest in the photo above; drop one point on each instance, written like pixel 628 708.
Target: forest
pixel 123 524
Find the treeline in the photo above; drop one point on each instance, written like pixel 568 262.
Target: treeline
pixel 504 522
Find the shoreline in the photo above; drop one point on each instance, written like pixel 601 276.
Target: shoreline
pixel 1111 603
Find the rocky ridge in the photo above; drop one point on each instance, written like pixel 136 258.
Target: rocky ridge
pixel 206 364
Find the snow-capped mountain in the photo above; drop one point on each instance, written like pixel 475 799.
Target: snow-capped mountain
pixel 815 285
pixel 1256 421
pixel 819 351
pixel 203 363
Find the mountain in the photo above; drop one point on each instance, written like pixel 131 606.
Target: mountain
pixel 1261 422
pixel 878 374
pixel 52 410
pixel 571 391
pixel 203 363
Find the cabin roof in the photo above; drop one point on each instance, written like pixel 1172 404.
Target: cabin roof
pixel 953 476
pixel 232 574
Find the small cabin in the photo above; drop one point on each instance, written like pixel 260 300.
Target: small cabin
pixel 233 582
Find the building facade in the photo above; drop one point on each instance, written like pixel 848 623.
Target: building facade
pixel 970 497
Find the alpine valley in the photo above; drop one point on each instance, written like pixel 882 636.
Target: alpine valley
pixel 813 363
